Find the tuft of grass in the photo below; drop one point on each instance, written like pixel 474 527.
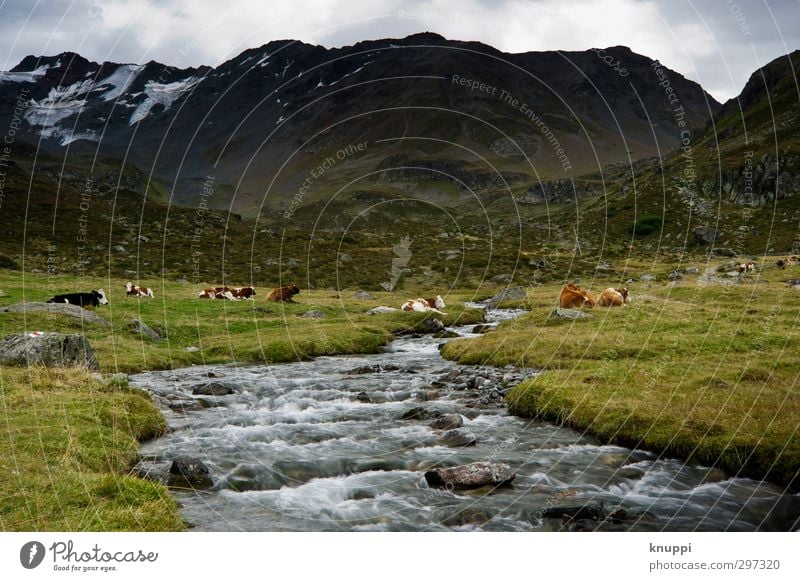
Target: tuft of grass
pixel 705 373
pixel 68 442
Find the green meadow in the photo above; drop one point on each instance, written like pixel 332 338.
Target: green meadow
pixel 703 372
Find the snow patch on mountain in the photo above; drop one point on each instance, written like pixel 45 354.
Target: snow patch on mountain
pixel 120 80
pixel 162 94
pixel 23 76
pixel 60 103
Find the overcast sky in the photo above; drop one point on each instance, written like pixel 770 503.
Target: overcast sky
pixel 717 43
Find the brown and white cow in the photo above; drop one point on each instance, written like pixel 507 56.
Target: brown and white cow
pixel 132 290
pixel 220 292
pixel 243 292
pixel 284 293
pixel 421 306
pixel 613 297
pixel 745 267
pixel 437 303
pixel 572 297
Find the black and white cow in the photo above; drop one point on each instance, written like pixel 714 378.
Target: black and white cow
pixel 92 299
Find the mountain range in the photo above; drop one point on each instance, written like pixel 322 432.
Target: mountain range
pixel 419 135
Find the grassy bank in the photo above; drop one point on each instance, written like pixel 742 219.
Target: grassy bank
pixel 67 442
pixel 70 436
pixel 221 331
pixel 707 373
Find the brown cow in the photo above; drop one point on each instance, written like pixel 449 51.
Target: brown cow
pixel 284 293
pixel 572 297
pixel 613 297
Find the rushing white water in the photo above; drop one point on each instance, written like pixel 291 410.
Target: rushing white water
pixel 314 447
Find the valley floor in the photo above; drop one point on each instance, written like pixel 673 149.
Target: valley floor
pixel 694 368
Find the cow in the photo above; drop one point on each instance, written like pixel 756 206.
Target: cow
pixel 132 290
pixel 284 293
pixel 573 296
pixel 745 267
pixel 613 297
pixel 780 264
pixel 243 292
pixel 92 299
pixel 437 303
pixel 420 306
pixel 220 292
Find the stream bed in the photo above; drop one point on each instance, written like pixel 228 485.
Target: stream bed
pixel 342 443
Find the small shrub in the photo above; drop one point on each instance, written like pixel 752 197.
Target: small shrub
pixel 645 225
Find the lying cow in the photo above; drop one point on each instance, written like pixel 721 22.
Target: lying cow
pixel 613 297
pixel 573 297
pixel 92 299
pixel 219 292
pixel 437 303
pixel 243 292
pixel 132 290
pixel 284 293
pixel 421 306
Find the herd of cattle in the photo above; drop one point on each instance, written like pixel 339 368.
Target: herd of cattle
pixel 571 296
pixel 96 298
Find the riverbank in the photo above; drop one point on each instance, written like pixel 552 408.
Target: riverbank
pixel 695 369
pixel 69 439
pixel 72 436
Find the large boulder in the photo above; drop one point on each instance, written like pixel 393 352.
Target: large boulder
pixel 459 438
pixel 704 235
pixel 430 326
pixel 49 349
pixel 466 476
pixel 85 315
pixel 447 422
pixel 515 293
pixel 188 471
pixel 139 328
pixel 214 388
pixel 572 314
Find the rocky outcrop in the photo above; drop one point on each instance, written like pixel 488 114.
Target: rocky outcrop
pixel 558 192
pixel 75 311
pixel 48 349
pixel 757 182
pixel 467 476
